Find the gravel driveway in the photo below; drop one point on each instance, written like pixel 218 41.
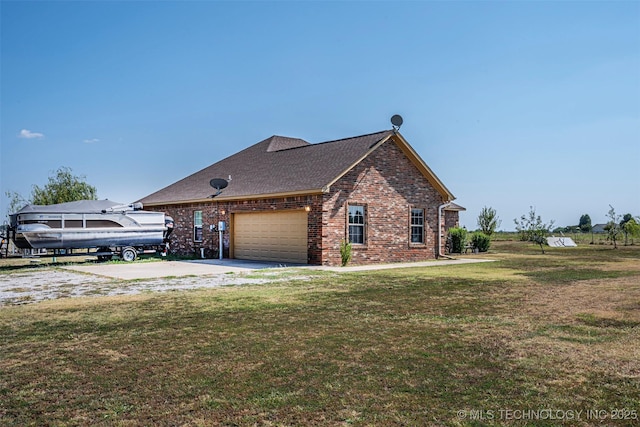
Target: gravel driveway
pixel 38 284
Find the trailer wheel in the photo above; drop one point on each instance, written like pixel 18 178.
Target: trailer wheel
pixel 129 254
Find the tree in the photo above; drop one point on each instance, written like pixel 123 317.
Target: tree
pixel 613 226
pixel 63 187
pixel 16 202
pixel 532 228
pixel 488 221
pixel 585 223
pixel 625 219
pixel 631 228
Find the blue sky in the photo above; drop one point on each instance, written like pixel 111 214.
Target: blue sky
pixel 512 104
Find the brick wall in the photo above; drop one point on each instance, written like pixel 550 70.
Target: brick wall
pixel 451 219
pixel 181 240
pixel 389 185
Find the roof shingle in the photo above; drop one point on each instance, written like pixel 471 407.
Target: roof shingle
pixel 276 165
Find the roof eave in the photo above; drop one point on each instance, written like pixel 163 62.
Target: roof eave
pixel 422 166
pixel 456 209
pixel 222 198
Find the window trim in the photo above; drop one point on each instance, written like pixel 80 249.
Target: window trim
pixel 423 226
pixel 364 226
pixel 196 227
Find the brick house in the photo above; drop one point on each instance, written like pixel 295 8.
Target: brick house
pixel 291 201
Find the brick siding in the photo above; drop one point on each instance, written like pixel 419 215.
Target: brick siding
pixel 389 185
pixel 182 243
pixel 451 219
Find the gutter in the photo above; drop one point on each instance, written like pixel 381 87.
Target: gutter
pixel 440 227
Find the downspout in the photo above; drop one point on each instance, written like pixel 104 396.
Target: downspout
pixel 440 227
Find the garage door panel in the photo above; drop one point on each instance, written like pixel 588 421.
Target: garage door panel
pixel 271 236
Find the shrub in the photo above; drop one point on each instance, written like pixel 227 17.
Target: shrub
pixel 458 238
pixel 480 241
pixel 345 252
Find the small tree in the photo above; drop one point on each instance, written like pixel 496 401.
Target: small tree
pixel 488 220
pixel 631 228
pixel 625 219
pixel 585 223
pixel 613 226
pixel 63 187
pixel 532 228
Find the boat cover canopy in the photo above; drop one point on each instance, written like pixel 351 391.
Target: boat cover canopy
pixel 80 206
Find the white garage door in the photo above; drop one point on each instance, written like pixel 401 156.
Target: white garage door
pixel 271 236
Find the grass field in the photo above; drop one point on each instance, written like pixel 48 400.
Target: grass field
pixel 530 339
pixel 579 238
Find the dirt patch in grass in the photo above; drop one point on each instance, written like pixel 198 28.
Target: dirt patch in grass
pixel 615 298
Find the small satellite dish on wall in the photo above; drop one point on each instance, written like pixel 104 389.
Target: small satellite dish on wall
pixel 219 184
pixel 396 121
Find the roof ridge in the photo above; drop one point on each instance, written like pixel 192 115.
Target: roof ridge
pixel 315 144
pixel 281 143
pixel 354 137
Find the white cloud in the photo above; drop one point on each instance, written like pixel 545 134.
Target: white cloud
pixel 27 134
pixel 91 141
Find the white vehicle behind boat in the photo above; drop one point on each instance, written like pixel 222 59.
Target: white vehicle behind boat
pixel 110 228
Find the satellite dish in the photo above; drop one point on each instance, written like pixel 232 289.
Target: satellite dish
pixel 218 183
pixel 396 121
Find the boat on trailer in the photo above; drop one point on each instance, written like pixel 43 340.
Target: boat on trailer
pixel 109 227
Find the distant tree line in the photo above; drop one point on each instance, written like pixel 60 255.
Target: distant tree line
pixel 626 225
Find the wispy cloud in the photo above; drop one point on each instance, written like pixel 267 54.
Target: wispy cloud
pixel 91 141
pixel 27 134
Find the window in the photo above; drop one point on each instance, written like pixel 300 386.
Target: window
pixel 197 226
pixel 417 225
pixel 356 224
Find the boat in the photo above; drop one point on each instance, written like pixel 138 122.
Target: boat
pixel 108 226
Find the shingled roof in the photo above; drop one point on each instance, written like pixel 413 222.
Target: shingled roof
pixel 277 166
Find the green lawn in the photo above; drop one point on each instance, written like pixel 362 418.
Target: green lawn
pixel 549 336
